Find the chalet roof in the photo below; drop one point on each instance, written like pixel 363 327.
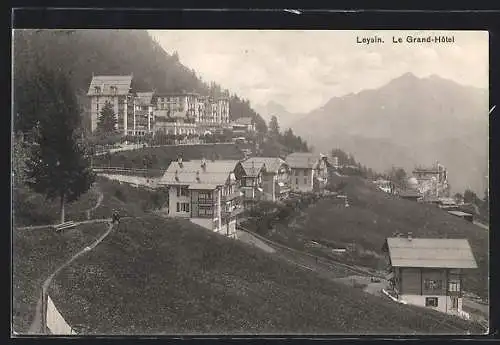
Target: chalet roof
pixel 121 82
pixel 302 160
pixel 272 164
pixel 430 252
pixel 252 168
pixel 187 173
pixel 201 186
pixel 144 98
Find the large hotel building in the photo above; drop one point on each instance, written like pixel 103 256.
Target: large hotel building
pixel 140 113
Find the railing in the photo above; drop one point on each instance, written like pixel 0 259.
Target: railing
pixel 131 171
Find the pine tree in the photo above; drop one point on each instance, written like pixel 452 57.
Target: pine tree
pixel 107 120
pixel 56 166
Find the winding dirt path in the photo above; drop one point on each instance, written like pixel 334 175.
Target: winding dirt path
pixel 37 326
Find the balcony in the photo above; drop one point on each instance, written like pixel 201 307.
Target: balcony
pixel 207 201
pixel 234 195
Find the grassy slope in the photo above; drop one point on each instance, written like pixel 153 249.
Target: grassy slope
pixel 169 276
pixel 162 156
pixel 374 215
pixel 32 209
pixel 36 254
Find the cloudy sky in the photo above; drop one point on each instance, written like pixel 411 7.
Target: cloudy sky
pixel 302 70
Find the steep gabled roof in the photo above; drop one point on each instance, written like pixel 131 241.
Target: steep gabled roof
pixel 430 252
pixel 191 172
pixel 302 160
pixel 271 164
pixel 106 83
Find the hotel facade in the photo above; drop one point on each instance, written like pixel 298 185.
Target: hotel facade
pixel 141 113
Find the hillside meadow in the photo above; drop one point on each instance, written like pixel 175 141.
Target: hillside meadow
pixel 157 276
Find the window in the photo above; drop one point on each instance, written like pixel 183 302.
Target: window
pixel 204 196
pixel 97 89
pixel 454 287
pixel 178 207
pixel 185 207
pixel 431 284
pixel 454 303
pixel 305 180
pixel 431 301
pixel 205 211
pixel 296 180
pixel 184 191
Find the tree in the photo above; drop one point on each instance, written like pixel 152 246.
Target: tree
pixel 398 177
pixel 107 120
pixel 274 129
pixel 56 166
pixel 470 196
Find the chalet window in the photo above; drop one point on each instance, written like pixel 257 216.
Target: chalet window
pixel 297 180
pixel 97 89
pixel 204 196
pixel 431 301
pixel 454 303
pixel 431 284
pixel 454 287
pixel 178 207
pixel 178 192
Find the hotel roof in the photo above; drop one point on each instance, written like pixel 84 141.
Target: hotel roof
pixel 122 84
pixel 430 252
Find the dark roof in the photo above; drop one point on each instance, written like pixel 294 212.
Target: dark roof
pixel 122 84
pixel 430 252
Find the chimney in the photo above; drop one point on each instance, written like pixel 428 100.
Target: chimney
pixel 409 236
pixel 203 163
pixel 197 176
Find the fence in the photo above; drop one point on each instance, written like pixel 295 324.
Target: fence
pixel 125 171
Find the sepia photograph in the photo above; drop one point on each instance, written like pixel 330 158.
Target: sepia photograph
pixel 249 182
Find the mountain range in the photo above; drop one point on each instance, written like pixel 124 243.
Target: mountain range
pixel 408 122
pixel 272 108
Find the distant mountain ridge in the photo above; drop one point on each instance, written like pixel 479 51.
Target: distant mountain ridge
pixel 409 121
pixel 272 108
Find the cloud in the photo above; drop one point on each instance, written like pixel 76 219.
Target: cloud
pixel 303 69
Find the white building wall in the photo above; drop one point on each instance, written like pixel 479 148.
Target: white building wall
pixel 444 302
pixel 173 200
pixel 301 186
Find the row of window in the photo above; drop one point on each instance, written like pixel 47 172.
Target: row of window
pixel 432 284
pixel 297 180
pixel 182 207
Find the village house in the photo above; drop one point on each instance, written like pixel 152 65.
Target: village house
pixel 251 182
pixel 274 176
pixel 308 171
pixel 429 272
pixel 243 126
pixel 205 192
pixel 432 181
